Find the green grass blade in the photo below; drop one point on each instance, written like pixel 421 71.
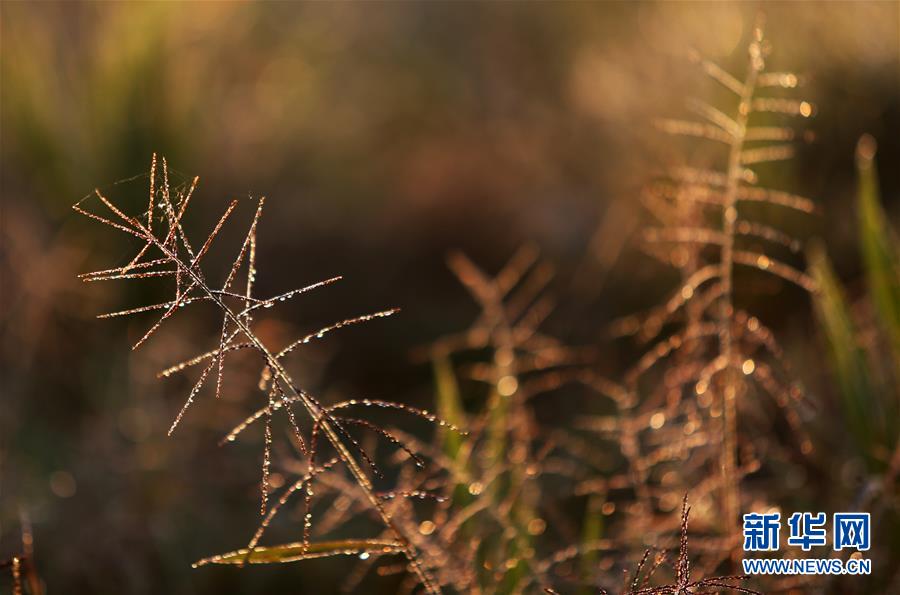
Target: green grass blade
pixel 880 249
pixel 294 552
pixel 847 358
pixel 449 405
pixel 591 532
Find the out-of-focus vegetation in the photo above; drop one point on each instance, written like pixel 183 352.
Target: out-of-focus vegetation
pixel 386 136
pixel 861 337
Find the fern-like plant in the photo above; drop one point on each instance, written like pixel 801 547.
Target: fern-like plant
pixel 494 494
pixel 707 230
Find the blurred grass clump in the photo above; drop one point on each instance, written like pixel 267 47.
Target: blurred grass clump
pixel 863 335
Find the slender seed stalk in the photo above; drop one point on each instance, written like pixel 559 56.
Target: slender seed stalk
pixel 732 380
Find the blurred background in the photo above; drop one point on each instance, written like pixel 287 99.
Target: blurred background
pixel 383 135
